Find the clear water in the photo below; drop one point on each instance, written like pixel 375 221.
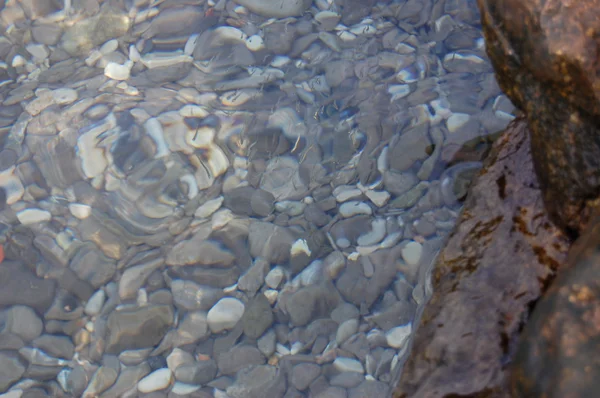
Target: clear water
pixel 241 199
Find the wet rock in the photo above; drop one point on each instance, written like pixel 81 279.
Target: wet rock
pixel 369 388
pixel 257 382
pixel 555 355
pixel 12 369
pixel 192 296
pixel 543 64
pixel 311 302
pixel 19 286
pixel 257 317
pixel 276 8
pixel 136 328
pixel 496 227
pixel 225 314
pixel 271 242
pixel 200 372
pixel 23 322
pixel 239 357
pixel 91 32
pixel 193 328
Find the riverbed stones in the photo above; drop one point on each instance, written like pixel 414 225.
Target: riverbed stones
pixel 137 328
pixel 225 314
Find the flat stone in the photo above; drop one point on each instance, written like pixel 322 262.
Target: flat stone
pixel 258 382
pixel 348 365
pixel 271 242
pixel 193 328
pixel 411 253
pixel 12 370
pixel 258 317
pixel 138 328
pixel 56 346
pixel 155 381
pixel 225 314
pixel 192 296
pixel 303 374
pixel 311 302
pixel 200 372
pixel 347 379
pixel 239 357
pixel 276 8
pixel 346 329
pixel 368 389
pixel 23 321
pixel 19 286
pixel 254 278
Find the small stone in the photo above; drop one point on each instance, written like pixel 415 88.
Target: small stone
pixel 274 277
pixel 258 382
pixel 276 8
pixel 370 388
pixel 64 96
pixel 193 328
pixel 253 279
pixel 136 328
pixel 378 198
pixel 116 71
pixel 32 216
pixel 155 381
pixel 266 344
pixel 411 253
pixel 353 208
pixel 345 330
pixel 348 365
pixel 238 358
pixel 303 374
pixel 398 336
pixel 200 372
pixel 23 321
pixel 12 370
pixel 192 296
pixel 225 314
pixel 257 317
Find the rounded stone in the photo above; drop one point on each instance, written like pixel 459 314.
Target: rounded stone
pixel 225 314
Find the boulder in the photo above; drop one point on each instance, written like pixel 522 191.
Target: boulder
pixel 545 57
pixel 498 260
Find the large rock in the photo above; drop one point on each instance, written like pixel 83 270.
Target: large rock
pixel 498 260
pixel 557 355
pixel 545 57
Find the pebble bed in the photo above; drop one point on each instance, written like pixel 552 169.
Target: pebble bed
pixel 234 198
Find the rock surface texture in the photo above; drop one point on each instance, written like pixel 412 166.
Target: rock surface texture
pixel 497 261
pixel 557 352
pixel 545 57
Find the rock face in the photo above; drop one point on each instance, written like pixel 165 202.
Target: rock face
pixel 557 353
pixel 545 57
pixel 496 262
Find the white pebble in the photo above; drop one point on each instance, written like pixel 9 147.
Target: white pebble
pixel 116 71
pixel 456 121
pixel 348 365
pixel 225 314
pixel 378 198
pixel 411 253
pixel 183 389
pixel 18 60
pixel 354 208
pixel 109 47
pixel 64 96
pixel 32 216
pixel 255 43
pixel 398 336
pixel 375 235
pixel 80 211
pixel 271 295
pixel 280 61
pixel 209 207
pixel 300 246
pixel 157 380
pixel 344 193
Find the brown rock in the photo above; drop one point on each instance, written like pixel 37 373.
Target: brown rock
pixel 557 355
pixel 497 261
pixel 545 57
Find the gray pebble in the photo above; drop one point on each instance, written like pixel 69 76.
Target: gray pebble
pixel 253 279
pixel 266 344
pixel 369 389
pixel 258 382
pixel 200 372
pixel 239 357
pixel 343 312
pixel 347 379
pixel 303 374
pixel 192 328
pixel 12 370
pixel 23 321
pixel 257 317
pixel 333 392
pixel 192 296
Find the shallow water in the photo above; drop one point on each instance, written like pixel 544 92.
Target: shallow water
pixel 231 199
